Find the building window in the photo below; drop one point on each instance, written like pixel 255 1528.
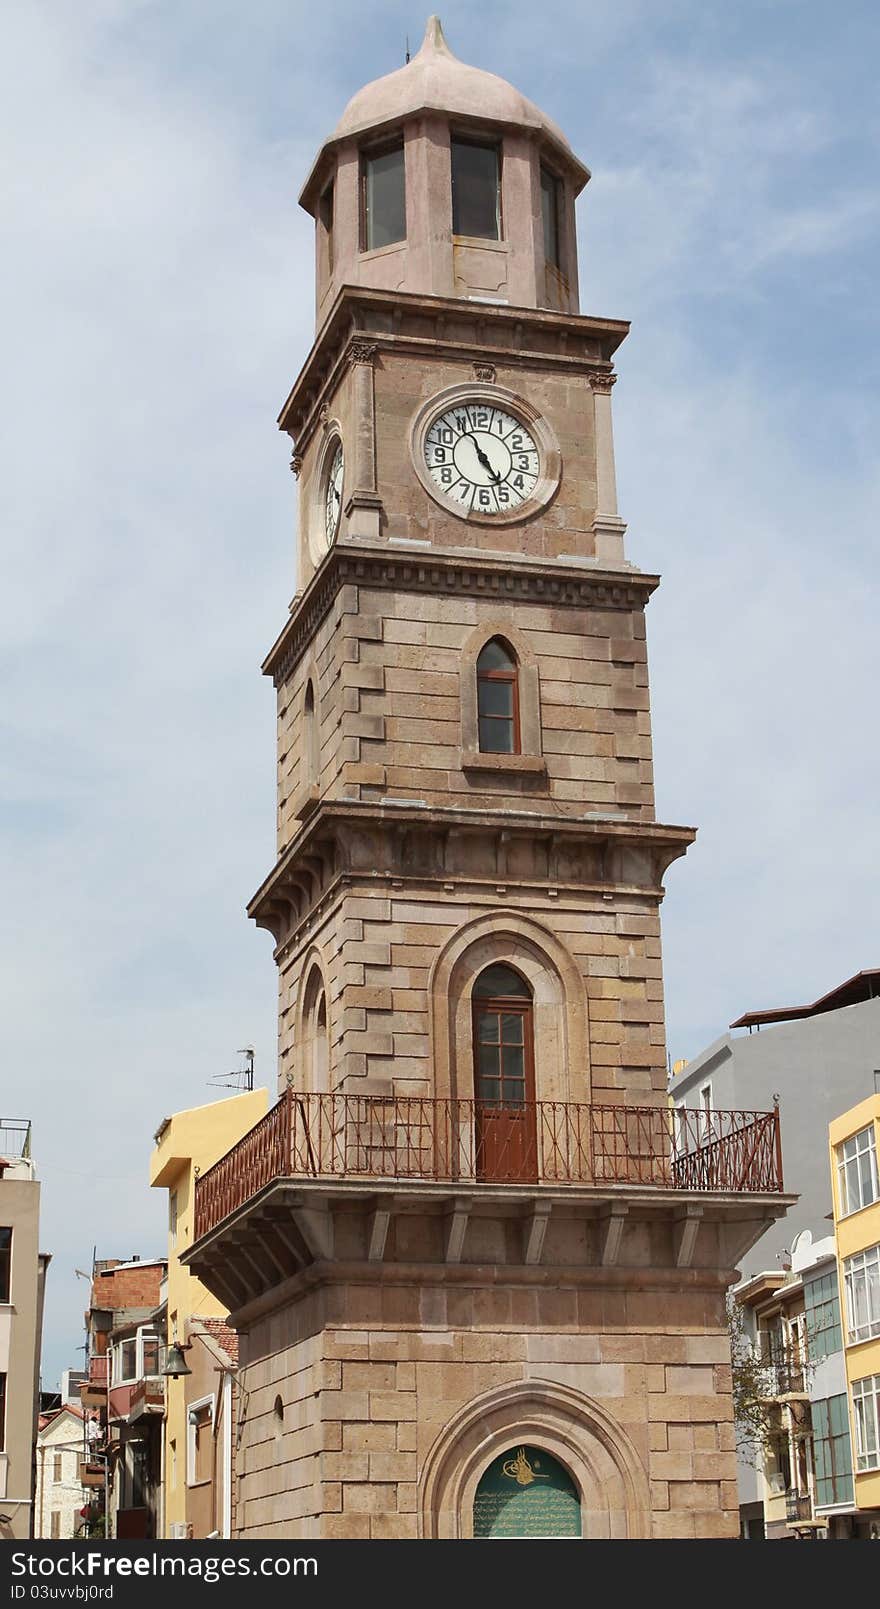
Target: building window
pixel 5 1264
pixel 822 1312
pixel 315 1044
pixel 55 1523
pixel 125 1361
pixel 311 742
pixel 476 190
pixel 383 189
pixel 861 1278
pixel 148 1355
pixel 199 1443
pixel 857 1171
pixel 325 222
pixel 832 1452
pixel 866 1413
pixel 172 1219
pixel 505 1130
pixel 57 1469
pixel 503 1032
pixel 498 699
pixel 551 194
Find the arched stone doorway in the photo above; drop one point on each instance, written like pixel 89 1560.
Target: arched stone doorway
pixel 526 1492
pixel 546 1419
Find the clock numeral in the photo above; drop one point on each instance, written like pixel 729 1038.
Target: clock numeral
pixel 446 475
pixel 439 455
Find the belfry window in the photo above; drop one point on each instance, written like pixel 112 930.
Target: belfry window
pixel 551 189
pixel 476 190
pixel 383 190
pixel 498 699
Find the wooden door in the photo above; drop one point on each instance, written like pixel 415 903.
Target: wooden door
pixel 504 1078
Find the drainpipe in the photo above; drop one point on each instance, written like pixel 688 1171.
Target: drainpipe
pixel 227 1457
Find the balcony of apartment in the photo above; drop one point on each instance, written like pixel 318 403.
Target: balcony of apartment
pixel 268 1206
pixel 137 1388
pixel 93 1391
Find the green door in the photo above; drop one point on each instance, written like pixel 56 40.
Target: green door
pixel 526 1492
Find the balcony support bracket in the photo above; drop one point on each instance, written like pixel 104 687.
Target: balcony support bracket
pixel 456 1228
pixel 315 1224
pixel 536 1232
pixel 685 1232
pixel 380 1220
pixel 613 1219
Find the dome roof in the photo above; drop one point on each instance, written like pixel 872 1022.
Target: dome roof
pixel 435 80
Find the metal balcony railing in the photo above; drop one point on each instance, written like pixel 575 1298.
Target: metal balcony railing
pixel 798 1507
pixel 369 1138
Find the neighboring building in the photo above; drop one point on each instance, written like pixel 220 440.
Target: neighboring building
pixel 804 1470
pixel 818 1059
pixel 71 1382
pixel 22 1286
pixel 476 1271
pixel 124 1393
pixel 60 1496
pixel 855 1144
pixel 198 1453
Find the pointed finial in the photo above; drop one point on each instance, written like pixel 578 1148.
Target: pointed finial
pixel 434 39
pixel 407 50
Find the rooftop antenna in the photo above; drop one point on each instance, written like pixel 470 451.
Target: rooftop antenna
pixel 407 50
pixel 241 1078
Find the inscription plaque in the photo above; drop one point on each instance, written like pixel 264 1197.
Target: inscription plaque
pixel 526 1492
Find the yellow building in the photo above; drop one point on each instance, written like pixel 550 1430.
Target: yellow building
pixel 855 1141
pixel 187 1144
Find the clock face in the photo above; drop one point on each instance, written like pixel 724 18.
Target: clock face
pixel 333 495
pixel 482 458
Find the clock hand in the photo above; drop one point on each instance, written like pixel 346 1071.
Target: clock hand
pixel 482 456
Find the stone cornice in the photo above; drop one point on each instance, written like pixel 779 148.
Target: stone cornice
pixel 435 326
pixel 406 844
pixel 482 576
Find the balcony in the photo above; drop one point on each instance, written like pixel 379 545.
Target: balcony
pixel 93 1391
pixel 798 1508
pixel 147 1398
pixel 371 1139
pixel 91 1474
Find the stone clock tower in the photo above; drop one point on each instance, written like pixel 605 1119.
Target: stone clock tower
pixel 477 1273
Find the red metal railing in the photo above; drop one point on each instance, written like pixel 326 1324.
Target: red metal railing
pixel 547 1142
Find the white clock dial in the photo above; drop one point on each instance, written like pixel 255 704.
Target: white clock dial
pixel 482 458
pixel 333 495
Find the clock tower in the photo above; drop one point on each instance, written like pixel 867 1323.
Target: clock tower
pixel 477 1273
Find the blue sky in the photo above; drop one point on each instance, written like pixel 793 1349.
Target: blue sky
pixel 157 280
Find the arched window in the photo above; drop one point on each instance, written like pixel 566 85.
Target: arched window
pixel 498 699
pixel 315 1045
pixel 311 745
pixel 504 1076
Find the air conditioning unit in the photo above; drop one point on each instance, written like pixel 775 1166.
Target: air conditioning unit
pixel 181 1531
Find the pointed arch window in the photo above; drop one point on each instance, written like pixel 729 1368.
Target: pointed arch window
pixel 498 699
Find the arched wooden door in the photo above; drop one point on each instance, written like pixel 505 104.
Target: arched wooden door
pixel 504 1077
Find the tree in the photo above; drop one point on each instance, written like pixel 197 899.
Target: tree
pixel 753 1388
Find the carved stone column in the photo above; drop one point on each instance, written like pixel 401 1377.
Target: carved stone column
pixel 363 507
pixel 608 527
